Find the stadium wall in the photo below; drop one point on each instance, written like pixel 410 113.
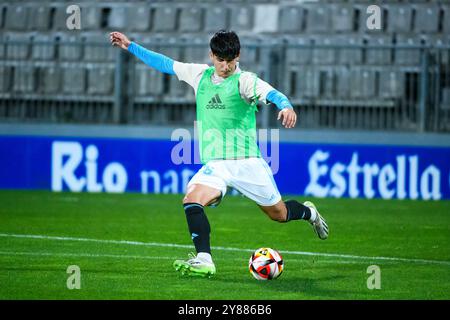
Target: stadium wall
pixel 162 160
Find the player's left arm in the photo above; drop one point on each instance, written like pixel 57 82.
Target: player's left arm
pixel 253 88
pixel 287 113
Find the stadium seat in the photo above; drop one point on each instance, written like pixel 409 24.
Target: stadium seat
pixel 216 18
pixel 16 18
pixel 445 104
pixel 342 19
pixel 446 19
pixel 191 19
pixel 172 49
pixel 427 18
pixel 298 50
pixel 172 89
pixel 362 83
pixel 289 82
pixel 266 18
pixel 326 82
pixel 147 81
pixel 40 17
pixel 291 19
pixel 138 18
pixel 241 18
pixel 43 47
pixel 342 82
pixel 249 53
pixel 97 48
pixel 391 83
pixel 408 56
pixel 318 18
pixel 176 90
pixel 308 82
pixel 3 41
pixel 18 45
pixel 100 80
pixel 2 14
pixel 74 80
pixel 198 52
pixel 60 18
pixel 117 19
pixel 324 51
pixel 49 79
pixel 5 78
pixel 375 55
pixel 442 42
pixel 165 19
pixel 399 17
pixel 353 52
pixel 24 79
pixel 70 46
pixel 91 17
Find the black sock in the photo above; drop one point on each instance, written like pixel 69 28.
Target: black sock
pixel 296 211
pixel 198 226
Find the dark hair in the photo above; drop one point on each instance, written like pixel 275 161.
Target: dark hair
pixel 225 44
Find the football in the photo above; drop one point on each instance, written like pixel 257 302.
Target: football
pixel 266 264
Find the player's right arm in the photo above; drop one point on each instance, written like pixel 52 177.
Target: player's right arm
pixel 188 72
pixel 153 59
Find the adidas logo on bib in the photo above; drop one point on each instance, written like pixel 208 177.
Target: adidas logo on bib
pixel 215 103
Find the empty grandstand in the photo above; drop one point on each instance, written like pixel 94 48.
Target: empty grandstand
pixel 338 73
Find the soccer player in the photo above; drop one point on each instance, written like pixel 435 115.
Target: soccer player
pixel 226 99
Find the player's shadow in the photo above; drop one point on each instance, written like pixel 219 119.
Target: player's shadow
pixel 308 287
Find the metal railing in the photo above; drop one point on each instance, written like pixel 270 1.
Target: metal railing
pixel 390 87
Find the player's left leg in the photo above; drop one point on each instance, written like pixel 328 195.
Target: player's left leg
pixel 254 179
pixel 285 211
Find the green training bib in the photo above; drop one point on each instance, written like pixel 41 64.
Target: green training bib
pixel 226 123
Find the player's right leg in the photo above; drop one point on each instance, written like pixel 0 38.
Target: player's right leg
pixel 207 187
pixel 197 197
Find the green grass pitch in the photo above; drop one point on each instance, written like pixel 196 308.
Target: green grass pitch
pixel 125 245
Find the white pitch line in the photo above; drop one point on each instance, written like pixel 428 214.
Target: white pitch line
pixel 87 255
pixel 119 256
pixel 156 244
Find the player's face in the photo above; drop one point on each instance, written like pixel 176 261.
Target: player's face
pixel 224 68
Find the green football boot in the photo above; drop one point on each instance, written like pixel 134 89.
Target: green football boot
pixel 195 267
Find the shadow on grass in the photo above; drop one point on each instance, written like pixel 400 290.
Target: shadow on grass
pixel 298 288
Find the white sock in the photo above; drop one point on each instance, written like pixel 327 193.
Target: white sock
pixel 205 256
pixel 313 214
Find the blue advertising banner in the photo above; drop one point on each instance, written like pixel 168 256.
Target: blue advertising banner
pixel 164 166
